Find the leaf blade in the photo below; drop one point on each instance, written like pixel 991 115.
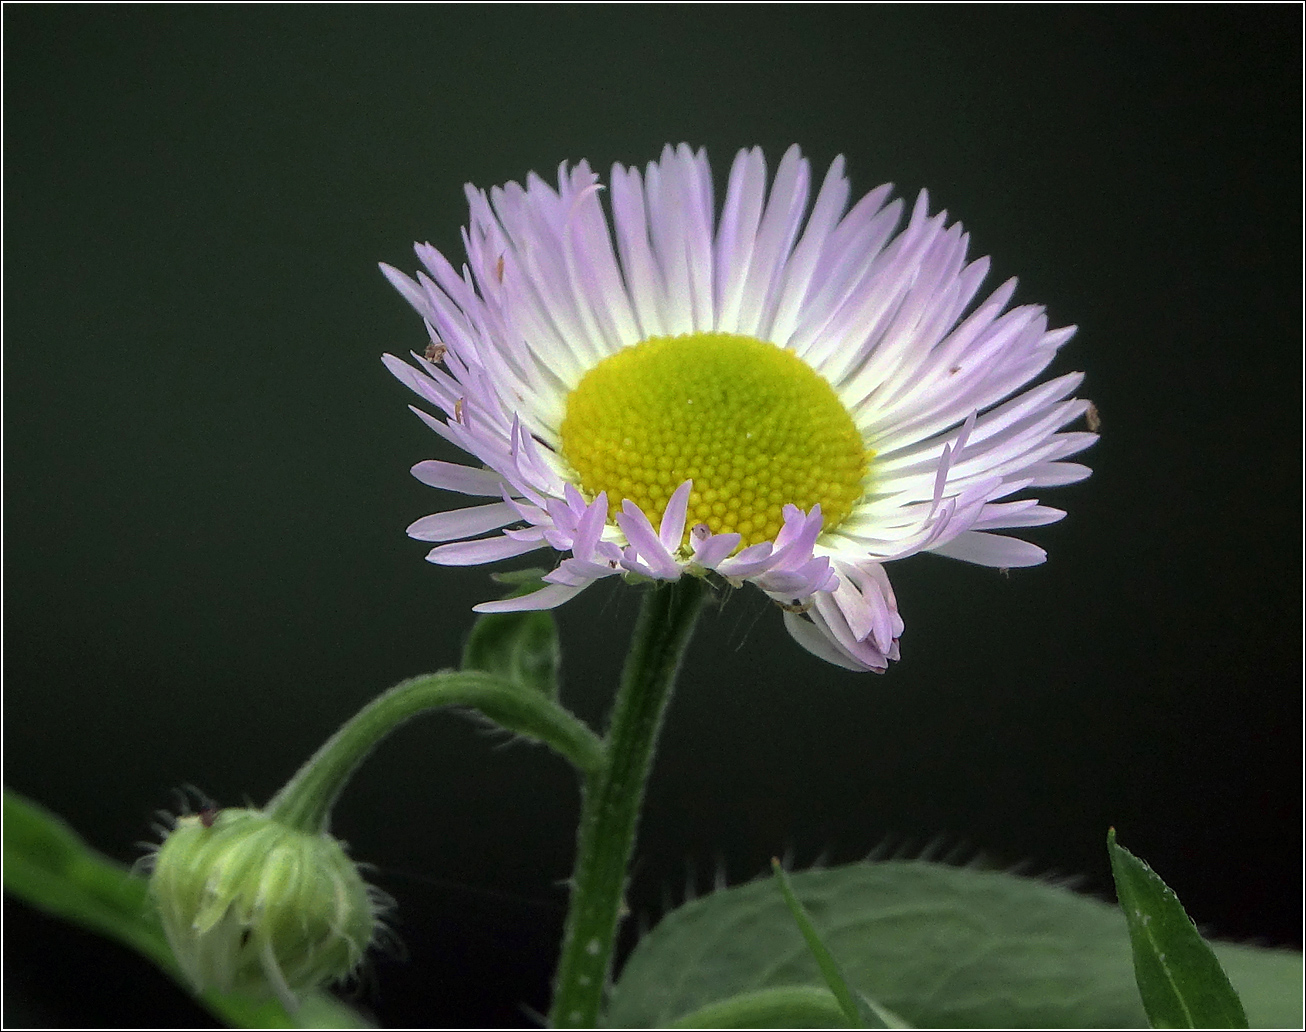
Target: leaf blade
pixel 1179 977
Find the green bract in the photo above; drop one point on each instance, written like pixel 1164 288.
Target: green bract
pixel 251 905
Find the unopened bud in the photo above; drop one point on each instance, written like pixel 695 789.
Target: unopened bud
pixel 251 905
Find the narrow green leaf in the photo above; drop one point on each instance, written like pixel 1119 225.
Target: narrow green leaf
pixel 876 1015
pixel 939 946
pixel 49 867
pixel 521 648
pixel 1179 978
pixel 858 1014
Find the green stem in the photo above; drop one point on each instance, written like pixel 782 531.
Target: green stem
pixel 613 795
pixel 305 802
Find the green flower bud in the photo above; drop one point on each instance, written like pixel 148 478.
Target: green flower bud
pixel 252 905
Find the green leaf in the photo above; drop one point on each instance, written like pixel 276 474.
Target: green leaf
pixel 47 865
pixel 856 1009
pixel 522 648
pixel 940 946
pixel 796 1006
pixel 1179 978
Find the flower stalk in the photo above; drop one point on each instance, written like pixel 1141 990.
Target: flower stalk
pixel 613 795
pixel 306 800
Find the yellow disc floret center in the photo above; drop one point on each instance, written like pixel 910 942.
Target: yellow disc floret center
pixel 750 423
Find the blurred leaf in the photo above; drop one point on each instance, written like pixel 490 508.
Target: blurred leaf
pixel 1179 978
pixel 521 648
pixel 1269 982
pixel 940 946
pixel 48 866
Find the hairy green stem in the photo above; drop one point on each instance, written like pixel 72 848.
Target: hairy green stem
pixel 613 795
pixel 306 800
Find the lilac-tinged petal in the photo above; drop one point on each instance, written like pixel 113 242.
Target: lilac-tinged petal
pixel 856 608
pixel 997 550
pixel 412 293
pixel 820 644
pixel 672 529
pixel 829 619
pixel 475 553
pixel 710 549
pixel 795 540
pixel 556 539
pixel 457 524
pixel 574 499
pixel 452 477
pixel 1028 513
pixel 799 583
pixel 866 600
pixel 546 598
pixel 590 526
pixel 645 546
pixel 576 570
pixel 753 559
pixel 563 515
pixel 413 380
pixel 1057 474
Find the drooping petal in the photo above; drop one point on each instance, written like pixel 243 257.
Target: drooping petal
pixel 548 597
pixel 820 645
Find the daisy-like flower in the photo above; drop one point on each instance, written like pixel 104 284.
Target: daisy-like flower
pixel 787 394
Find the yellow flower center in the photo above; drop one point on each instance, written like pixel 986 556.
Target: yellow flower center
pixel 750 423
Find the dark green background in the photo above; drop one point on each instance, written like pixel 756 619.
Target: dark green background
pixel 206 464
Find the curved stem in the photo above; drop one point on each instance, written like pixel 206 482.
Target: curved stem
pixel 612 798
pixel 306 800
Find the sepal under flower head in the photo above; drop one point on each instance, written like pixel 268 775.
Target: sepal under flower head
pixel 251 905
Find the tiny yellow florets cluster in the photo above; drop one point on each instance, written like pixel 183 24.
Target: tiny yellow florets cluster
pixel 750 423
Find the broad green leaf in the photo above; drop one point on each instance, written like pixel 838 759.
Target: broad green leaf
pixel 1179 978
pixel 1269 982
pixel 857 1010
pixel 47 865
pixel 522 648
pixel 939 946
pixel 798 1006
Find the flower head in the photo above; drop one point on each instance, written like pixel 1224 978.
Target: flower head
pixel 790 394
pixel 251 905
